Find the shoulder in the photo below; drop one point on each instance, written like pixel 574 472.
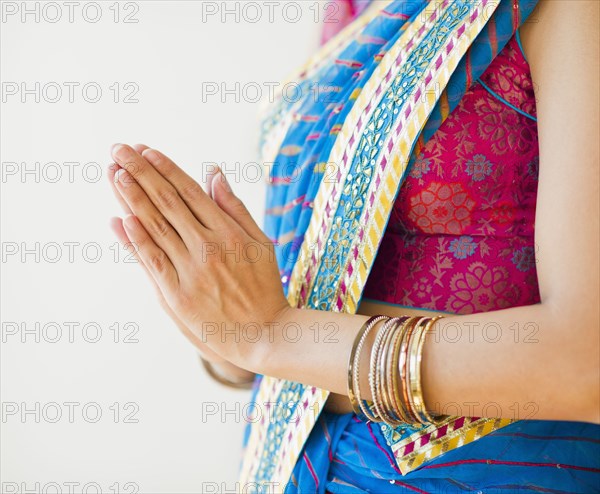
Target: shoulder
pixel 560 30
pixel 561 41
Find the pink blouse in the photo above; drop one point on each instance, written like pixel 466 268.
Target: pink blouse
pixel 461 235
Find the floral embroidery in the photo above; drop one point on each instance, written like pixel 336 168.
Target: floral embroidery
pixel 420 167
pixel 442 208
pixel 533 167
pixel 503 213
pixel 479 167
pixel 463 247
pixel 422 289
pixel 480 289
pixel 524 259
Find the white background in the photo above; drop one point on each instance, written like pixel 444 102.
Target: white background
pixel 168 54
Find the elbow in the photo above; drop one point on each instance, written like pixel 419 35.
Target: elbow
pixel 573 377
pixel 587 407
pixel 580 370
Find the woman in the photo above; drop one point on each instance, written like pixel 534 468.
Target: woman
pixel 453 347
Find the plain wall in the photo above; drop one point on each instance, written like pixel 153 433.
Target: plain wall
pixel 61 264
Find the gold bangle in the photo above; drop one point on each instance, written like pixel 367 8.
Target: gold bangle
pixel 373 368
pixel 368 411
pixel 381 398
pixel 394 382
pixel 415 379
pixel 224 380
pixel 381 378
pixel 404 367
pixel 354 364
pixel 411 380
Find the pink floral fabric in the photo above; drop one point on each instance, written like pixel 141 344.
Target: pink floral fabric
pixel 461 235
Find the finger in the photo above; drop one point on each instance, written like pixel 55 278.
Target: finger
pixel 212 172
pixel 160 192
pixel 157 226
pixel 156 261
pixel 235 208
pixel 116 224
pixel 117 227
pixel 112 170
pixel 189 190
pixel 140 148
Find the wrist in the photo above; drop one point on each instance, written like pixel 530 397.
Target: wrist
pixel 263 351
pixel 310 346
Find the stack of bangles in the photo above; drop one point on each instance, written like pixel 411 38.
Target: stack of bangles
pixel 394 371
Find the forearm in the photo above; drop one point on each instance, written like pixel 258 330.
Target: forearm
pixel 524 362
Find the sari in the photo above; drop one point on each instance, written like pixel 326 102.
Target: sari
pixel 370 100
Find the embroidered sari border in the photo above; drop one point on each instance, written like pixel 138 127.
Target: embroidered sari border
pixel 327 199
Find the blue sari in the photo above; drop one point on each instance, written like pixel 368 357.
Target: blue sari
pixel 344 455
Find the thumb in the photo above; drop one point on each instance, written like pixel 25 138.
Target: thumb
pixel 223 195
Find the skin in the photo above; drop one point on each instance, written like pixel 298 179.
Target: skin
pixel 540 361
pixel 232 371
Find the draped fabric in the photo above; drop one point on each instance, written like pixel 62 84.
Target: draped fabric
pixel 339 154
pixel 346 456
pixel 340 13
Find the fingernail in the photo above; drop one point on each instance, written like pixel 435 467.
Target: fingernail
pixel 112 173
pixel 151 155
pixel 120 152
pixel 130 221
pixel 123 177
